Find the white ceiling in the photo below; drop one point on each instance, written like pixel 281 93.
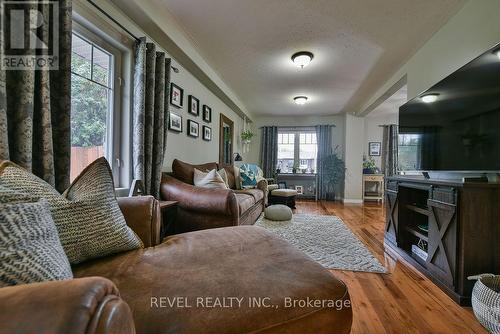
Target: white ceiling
pixel 392 104
pixel 357 46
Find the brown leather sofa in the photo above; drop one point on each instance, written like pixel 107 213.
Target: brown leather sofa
pixel 202 208
pixel 186 270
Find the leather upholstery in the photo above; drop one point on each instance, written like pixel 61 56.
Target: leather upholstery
pixel 245 201
pixel 185 172
pixel 243 262
pixel 143 216
pixel 87 305
pixel 202 208
pixel 257 194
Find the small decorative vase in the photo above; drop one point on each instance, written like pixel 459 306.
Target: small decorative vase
pixel 367 171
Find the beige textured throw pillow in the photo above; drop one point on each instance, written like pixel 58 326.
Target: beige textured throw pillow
pixel 30 249
pixel 211 179
pixel 223 174
pixel 87 216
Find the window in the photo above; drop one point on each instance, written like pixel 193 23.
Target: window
pixel 286 151
pixel 308 149
pixel 409 151
pixel 93 101
pixel 297 148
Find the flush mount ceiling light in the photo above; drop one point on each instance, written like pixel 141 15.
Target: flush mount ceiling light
pixel 497 52
pixel 300 100
pixel 429 98
pixel 302 59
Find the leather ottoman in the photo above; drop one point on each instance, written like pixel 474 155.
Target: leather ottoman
pixel 226 280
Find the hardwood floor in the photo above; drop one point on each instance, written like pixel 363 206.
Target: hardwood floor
pixel 402 301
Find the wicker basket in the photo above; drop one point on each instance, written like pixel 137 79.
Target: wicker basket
pixel 486 301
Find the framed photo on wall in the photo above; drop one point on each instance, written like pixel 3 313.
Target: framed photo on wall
pixel 193 128
pixel 176 95
pixel 207 133
pixel 175 122
pixel 374 149
pixel 207 113
pixel 193 105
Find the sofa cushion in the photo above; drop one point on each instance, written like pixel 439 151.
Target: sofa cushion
pixel 245 202
pixel 30 249
pixel 211 179
pixel 185 172
pixel 231 178
pixel 87 216
pixel 257 194
pixel 244 262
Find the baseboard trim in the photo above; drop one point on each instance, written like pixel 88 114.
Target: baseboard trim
pixel 352 201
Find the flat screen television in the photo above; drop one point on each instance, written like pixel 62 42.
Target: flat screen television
pixel 455 125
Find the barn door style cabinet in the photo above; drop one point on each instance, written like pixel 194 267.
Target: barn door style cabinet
pixel 447 230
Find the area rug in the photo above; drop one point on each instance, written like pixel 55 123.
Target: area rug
pixel 327 240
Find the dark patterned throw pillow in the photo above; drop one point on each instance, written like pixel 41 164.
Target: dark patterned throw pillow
pixel 30 249
pixel 87 216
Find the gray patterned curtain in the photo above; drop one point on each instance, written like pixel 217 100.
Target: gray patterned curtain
pixel 390 150
pixel 269 150
pixel 325 148
pixel 151 93
pixel 35 104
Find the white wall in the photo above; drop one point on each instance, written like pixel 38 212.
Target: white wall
pixel 354 140
pixel 472 31
pixel 373 132
pixel 179 145
pixel 196 150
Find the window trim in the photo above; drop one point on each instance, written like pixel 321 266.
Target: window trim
pixel 113 122
pixel 296 144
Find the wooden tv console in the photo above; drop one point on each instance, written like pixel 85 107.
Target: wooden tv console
pixel 463 229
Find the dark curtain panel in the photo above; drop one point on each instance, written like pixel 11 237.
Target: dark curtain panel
pixel 325 148
pixel 151 92
pixel 35 104
pixel 269 150
pixel 390 150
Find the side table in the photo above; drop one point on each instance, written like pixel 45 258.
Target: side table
pixel 168 215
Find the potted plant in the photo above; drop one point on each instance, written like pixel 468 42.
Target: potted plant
pixel 295 167
pixel 334 173
pixel 246 136
pixel 369 166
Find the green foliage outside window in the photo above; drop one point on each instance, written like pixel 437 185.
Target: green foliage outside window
pixel 89 105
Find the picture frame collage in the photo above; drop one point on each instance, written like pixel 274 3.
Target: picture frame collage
pixel 175 122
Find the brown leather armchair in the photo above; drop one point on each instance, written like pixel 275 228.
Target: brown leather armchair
pixel 202 208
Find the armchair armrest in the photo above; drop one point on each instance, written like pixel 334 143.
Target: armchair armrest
pixel 203 200
pixel 263 185
pixel 143 216
pixel 87 305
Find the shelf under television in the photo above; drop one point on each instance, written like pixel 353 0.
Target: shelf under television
pixel 417 209
pixel 416 233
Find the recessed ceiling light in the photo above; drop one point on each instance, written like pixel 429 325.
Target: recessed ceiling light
pixel 429 98
pixel 302 59
pixel 300 100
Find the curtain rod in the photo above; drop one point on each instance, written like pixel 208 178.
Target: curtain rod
pixel 176 70
pixel 298 127
pixel 382 125
pixel 112 19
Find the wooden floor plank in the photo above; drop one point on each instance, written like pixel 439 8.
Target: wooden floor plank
pixel 401 301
